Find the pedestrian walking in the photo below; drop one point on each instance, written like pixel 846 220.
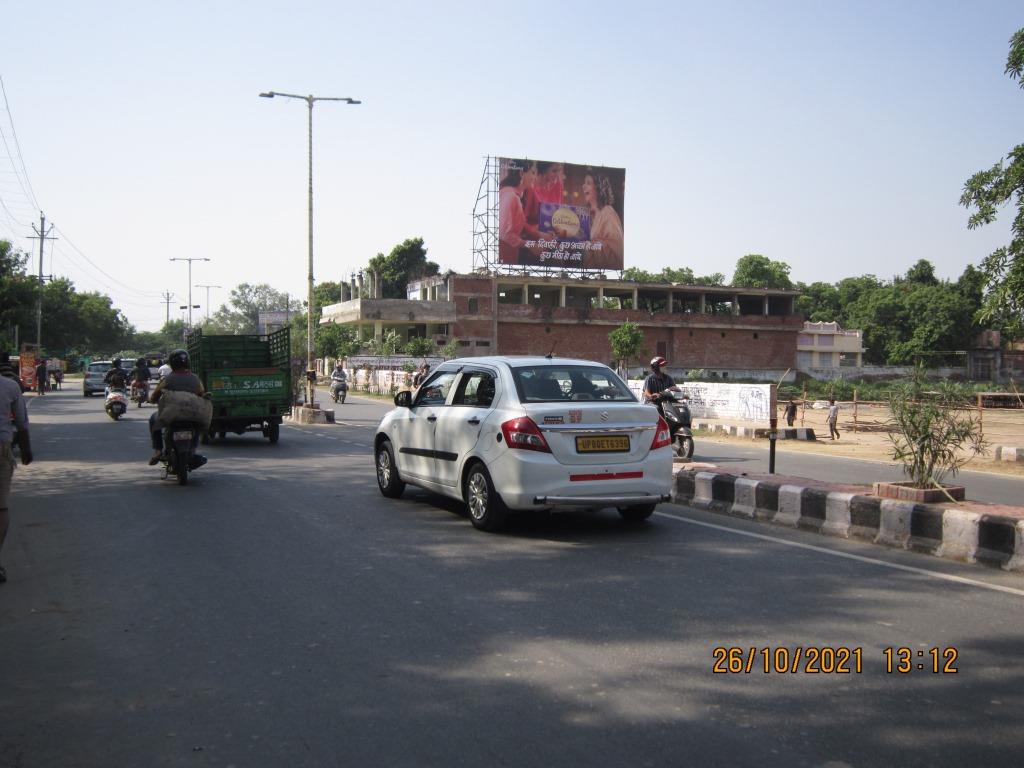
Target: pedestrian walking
pixel 833 419
pixel 41 377
pixel 13 416
pixel 791 412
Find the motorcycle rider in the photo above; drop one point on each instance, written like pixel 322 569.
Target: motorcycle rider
pixel 181 379
pixel 140 376
pixel 116 377
pixel 339 380
pixel 657 382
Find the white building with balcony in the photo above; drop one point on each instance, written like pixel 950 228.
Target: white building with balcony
pixel 825 346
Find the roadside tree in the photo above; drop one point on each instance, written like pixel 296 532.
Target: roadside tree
pixel 985 193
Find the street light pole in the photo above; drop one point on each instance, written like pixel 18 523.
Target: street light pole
pixel 208 287
pixel 190 260
pixel 310 101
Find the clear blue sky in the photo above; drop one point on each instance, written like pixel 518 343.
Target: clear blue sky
pixel 834 136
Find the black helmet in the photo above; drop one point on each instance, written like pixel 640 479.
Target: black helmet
pixel 659 362
pixel 178 360
pixel 141 362
pixel 117 362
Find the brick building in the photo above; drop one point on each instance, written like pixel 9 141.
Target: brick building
pixel 732 332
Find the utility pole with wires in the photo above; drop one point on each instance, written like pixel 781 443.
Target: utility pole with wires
pixel 208 287
pixel 42 235
pixel 166 297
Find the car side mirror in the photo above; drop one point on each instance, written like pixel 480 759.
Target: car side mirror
pixel 403 399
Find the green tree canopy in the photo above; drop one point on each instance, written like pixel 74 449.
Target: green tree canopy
pixel 626 341
pixel 406 262
pixel 241 313
pixel 17 295
pixel 985 193
pixel 670 275
pixel 757 271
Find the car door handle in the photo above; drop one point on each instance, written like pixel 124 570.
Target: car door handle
pixel 431 418
pixel 474 420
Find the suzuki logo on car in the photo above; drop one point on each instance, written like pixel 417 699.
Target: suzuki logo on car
pixel 604 415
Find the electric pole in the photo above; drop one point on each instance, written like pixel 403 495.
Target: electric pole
pixel 166 297
pixel 42 234
pixel 190 260
pixel 208 287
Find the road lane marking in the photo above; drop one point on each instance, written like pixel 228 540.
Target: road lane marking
pixel 849 556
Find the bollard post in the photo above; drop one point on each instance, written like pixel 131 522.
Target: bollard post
pixel 773 424
pixel 854 410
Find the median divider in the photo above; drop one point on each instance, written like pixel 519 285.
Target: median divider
pixel 971 532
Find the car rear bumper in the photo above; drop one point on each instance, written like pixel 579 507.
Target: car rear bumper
pixel 534 480
pixel 604 501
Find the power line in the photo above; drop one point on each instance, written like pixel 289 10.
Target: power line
pixel 29 194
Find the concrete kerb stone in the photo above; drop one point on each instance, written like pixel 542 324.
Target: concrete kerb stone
pixel 1016 560
pixel 788 513
pixel 745 497
pixel 837 514
pixel 959 535
pixel 894 518
pixel 1009 453
pixel 703 496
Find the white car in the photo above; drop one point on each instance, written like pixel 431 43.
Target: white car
pixel 522 433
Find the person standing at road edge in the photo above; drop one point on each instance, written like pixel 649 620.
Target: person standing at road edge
pixel 833 418
pixel 13 415
pixel 790 412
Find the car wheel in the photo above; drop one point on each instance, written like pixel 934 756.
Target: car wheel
pixel 487 511
pixel 388 480
pixel 637 513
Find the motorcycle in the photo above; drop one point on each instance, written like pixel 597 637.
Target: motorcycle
pixel 140 392
pixel 339 388
pixel 115 403
pixel 179 456
pixel 677 415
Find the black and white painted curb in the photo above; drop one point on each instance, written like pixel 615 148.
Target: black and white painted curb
pixel 936 529
pixel 1009 453
pixel 782 433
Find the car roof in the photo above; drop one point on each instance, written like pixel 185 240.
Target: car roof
pixel 517 361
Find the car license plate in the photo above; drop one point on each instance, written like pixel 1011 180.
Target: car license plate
pixel 603 444
pixel 183 434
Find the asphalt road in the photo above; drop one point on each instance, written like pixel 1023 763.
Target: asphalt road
pixel 752 456
pixel 279 612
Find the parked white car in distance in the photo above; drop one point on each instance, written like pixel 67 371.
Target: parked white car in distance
pixel 523 433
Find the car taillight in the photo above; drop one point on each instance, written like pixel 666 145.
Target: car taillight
pixel 524 433
pixel 662 435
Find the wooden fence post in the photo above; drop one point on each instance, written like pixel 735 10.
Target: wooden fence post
pixel 981 418
pixel 854 410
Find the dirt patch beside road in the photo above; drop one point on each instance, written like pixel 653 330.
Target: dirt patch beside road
pixel 866 436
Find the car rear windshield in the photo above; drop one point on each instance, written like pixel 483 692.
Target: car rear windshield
pixel 99 367
pixel 551 383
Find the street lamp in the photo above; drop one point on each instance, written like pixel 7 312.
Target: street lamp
pixel 190 260
pixel 310 101
pixel 208 287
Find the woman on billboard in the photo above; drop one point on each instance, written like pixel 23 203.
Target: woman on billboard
pixel 605 224
pixel 520 176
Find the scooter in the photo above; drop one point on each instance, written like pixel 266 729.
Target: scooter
pixel 677 415
pixel 115 404
pixel 179 456
pixel 339 388
pixel 140 392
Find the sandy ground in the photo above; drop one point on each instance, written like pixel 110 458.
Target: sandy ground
pixel 863 435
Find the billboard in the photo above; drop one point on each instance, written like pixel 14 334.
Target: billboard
pixel 560 214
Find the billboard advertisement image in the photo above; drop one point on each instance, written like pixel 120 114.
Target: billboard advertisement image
pixel 560 214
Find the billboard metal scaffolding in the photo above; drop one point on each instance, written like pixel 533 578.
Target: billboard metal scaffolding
pixel 486 236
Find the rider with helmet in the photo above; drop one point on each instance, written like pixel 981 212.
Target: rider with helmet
pixel 140 376
pixel 657 382
pixel 116 377
pixel 181 379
